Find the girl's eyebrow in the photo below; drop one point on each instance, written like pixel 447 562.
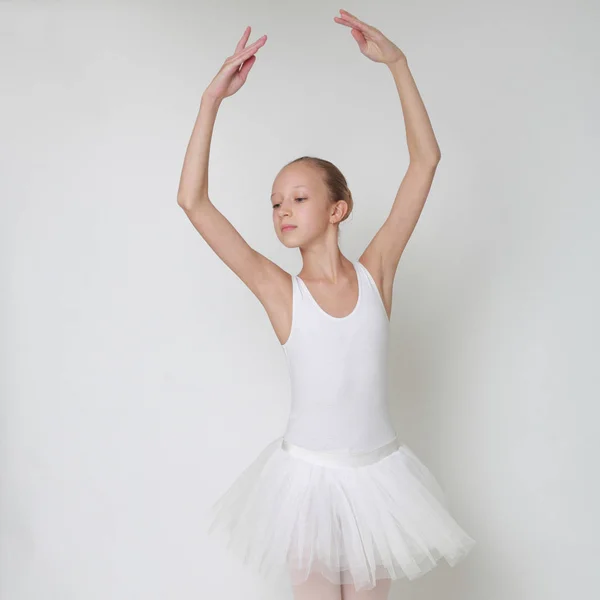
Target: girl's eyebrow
pixel 294 186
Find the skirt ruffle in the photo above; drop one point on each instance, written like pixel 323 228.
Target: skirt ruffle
pixel 389 519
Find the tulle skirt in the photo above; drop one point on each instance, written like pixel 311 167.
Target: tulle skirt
pixel 354 518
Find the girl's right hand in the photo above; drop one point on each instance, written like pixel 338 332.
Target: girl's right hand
pixel 231 77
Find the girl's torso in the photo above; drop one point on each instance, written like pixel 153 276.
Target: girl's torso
pixel 338 369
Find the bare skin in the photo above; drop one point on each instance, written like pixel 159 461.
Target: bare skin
pixel 299 196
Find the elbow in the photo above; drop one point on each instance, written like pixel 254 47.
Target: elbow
pixel 183 203
pixel 435 158
pixel 189 203
pixel 185 199
pixel 430 159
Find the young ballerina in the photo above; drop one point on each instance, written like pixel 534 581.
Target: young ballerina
pixel 337 503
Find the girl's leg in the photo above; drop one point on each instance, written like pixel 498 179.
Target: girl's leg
pixel 379 592
pixel 317 587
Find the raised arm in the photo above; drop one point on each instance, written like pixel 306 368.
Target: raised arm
pixel 385 249
pixel 387 246
pixel 259 273
pixel 193 197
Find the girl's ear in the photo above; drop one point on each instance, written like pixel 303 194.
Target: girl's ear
pixel 339 210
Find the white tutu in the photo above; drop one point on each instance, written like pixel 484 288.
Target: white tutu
pixel 354 519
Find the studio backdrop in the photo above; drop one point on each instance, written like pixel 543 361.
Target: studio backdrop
pixel 139 375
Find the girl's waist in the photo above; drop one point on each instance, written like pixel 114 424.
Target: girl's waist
pixel 341 457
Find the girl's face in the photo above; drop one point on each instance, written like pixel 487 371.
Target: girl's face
pixel 302 210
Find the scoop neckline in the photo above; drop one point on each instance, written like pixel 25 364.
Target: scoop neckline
pixel 332 317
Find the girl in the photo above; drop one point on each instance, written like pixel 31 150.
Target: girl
pixel 337 502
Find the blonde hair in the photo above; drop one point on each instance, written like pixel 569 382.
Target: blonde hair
pixel 334 180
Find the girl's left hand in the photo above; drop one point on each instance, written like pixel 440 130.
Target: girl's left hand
pixel 372 43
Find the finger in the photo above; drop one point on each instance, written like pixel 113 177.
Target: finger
pixel 360 39
pixel 362 30
pixel 251 47
pixel 343 21
pixel 356 22
pixel 352 24
pixel 245 53
pixel 347 14
pixel 242 43
pixel 243 73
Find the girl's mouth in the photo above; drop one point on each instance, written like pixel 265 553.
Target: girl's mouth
pixel 288 227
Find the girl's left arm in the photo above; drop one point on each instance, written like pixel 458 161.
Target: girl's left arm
pixel 386 248
pixel 383 252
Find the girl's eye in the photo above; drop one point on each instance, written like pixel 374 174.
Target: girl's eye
pixel 277 205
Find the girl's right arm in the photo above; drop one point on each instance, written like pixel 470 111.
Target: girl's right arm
pixel 193 197
pixel 270 283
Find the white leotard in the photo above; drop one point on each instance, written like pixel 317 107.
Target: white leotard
pixel 338 370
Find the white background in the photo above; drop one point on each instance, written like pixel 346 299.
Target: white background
pixel 140 376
